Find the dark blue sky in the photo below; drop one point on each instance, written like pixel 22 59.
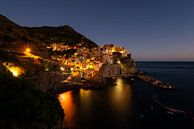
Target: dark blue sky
pixel 149 29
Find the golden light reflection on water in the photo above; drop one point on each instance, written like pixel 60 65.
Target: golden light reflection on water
pixel 86 97
pixel 80 106
pixel 120 96
pixel 66 101
pixel 70 104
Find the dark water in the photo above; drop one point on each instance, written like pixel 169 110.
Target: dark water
pixel 135 104
pixel 179 73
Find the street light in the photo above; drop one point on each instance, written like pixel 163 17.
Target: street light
pixel 62 69
pixel 28 50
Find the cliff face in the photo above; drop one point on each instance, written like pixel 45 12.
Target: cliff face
pixel 117 70
pixel 111 70
pixel 128 67
pixel 117 62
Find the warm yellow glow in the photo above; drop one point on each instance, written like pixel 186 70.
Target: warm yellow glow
pixel 28 53
pixel 85 63
pixel 86 99
pixel 28 50
pixel 15 73
pixel 62 69
pixel 66 102
pixel 15 70
pixel 119 94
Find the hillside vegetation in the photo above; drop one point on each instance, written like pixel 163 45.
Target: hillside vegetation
pixel 11 32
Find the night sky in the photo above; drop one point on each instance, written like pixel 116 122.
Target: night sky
pixel 149 29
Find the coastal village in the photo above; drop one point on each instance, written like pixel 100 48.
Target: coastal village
pixel 39 63
pixel 74 66
pixel 84 64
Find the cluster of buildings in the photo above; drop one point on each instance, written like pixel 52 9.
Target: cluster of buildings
pixel 112 53
pixel 86 63
pixel 62 46
pixel 82 63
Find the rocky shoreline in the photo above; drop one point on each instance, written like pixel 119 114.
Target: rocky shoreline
pixel 155 82
pixel 90 85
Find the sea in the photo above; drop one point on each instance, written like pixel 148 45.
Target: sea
pixel 130 103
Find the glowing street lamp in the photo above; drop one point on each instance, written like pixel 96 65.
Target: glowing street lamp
pixel 15 73
pixel 15 70
pixel 28 50
pixel 62 69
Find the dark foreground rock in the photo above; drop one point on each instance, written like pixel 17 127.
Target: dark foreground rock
pixel 25 107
